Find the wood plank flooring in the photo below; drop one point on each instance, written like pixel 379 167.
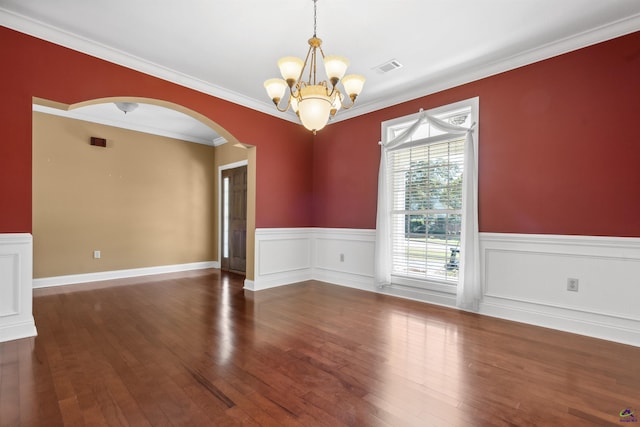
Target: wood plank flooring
pixel 194 350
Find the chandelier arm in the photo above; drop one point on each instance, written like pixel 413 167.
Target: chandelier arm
pixel 351 97
pixel 322 56
pixel 312 68
pixel 285 108
pixel 321 52
pixel 306 60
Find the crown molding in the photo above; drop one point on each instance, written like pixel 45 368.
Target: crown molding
pixel 475 72
pixel 463 75
pixel 87 46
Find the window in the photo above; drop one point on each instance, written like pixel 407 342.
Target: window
pixel 425 176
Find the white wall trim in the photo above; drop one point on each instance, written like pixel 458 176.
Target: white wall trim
pixel 81 44
pixel 249 285
pixel 121 274
pixel 463 74
pixel 282 256
pixel 16 300
pixel 524 276
pixel 343 256
pixel 333 255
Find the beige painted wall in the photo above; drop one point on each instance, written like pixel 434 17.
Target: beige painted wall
pixel 143 201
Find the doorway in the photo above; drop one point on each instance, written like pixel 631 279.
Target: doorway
pixel 233 214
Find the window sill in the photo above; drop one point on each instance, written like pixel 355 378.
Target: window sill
pixel 430 285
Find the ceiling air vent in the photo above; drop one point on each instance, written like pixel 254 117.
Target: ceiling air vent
pixel 392 64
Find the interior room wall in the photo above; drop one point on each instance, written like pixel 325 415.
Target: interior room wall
pixel 558 149
pixel 142 201
pixel 36 68
pixel 558 178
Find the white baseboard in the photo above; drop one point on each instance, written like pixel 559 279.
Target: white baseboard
pixel 626 331
pixel 121 274
pixel 249 285
pixel 18 330
pixel 16 294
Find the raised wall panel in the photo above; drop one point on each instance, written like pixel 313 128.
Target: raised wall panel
pixel 344 257
pixel 282 256
pixel 10 289
pixel 525 279
pixel 607 285
pixel 16 264
pixel 289 255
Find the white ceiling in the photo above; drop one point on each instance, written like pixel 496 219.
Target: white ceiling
pixel 146 118
pixel 228 48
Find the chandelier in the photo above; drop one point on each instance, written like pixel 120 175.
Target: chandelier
pixel 313 101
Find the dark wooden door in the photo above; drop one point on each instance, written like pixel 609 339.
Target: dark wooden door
pixel 234 219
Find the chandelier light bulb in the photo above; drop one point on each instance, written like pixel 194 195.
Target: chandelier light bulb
pixel 353 84
pixel 275 89
pixel 290 68
pixel 314 108
pixel 335 67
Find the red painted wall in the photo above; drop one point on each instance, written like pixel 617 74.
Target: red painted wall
pixel 32 67
pixel 559 151
pixel 559 148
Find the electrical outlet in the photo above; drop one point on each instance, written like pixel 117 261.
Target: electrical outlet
pixel 96 254
pixel 341 257
pixel 572 285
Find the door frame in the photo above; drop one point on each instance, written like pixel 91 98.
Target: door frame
pixel 220 169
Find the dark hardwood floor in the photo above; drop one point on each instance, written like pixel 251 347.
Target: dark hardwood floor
pixel 194 350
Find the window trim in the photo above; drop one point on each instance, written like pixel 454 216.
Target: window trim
pixel 442 112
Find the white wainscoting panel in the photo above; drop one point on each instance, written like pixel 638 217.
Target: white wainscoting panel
pixel 524 276
pixel 282 256
pixel 16 265
pixel 333 255
pixel 344 257
pixel 525 279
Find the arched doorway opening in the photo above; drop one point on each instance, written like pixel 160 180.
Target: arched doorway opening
pixel 94 198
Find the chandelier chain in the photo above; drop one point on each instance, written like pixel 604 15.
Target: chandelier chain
pixel 315 17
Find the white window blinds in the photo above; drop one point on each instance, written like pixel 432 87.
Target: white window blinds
pixel 426 211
